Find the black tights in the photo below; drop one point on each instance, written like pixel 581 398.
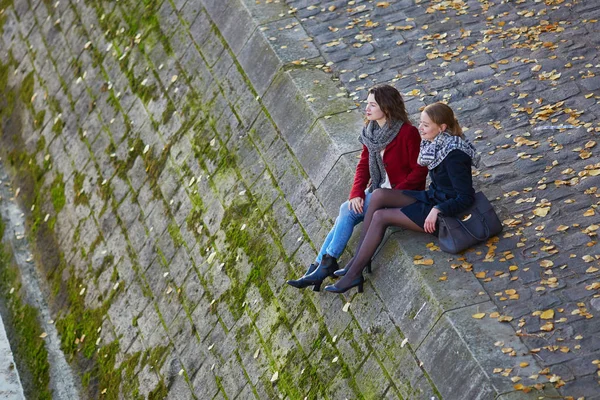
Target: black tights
pixel 384 210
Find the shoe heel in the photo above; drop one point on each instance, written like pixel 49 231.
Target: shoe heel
pixel 317 287
pixel 369 267
pixel 360 287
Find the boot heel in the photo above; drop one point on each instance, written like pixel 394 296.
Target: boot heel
pixel 360 287
pixel 317 287
pixel 369 267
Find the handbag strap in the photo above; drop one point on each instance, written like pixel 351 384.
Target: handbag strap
pixel 487 228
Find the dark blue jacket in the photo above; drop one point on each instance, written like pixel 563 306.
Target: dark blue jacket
pixel 451 187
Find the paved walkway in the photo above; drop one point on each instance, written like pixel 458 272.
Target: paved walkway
pixel 522 78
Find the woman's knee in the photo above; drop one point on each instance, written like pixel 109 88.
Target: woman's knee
pixel 379 217
pixel 344 209
pixel 377 199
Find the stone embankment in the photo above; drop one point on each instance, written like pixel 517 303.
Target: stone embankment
pixel 178 160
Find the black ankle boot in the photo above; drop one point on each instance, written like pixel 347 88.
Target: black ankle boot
pixel 341 288
pixel 342 272
pixel 326 267
pixel 301 283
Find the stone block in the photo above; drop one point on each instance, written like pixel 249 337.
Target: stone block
pixel 371 380
pixel 421 298
pixel 336 186
pixel 233 20
pixel 460 354
pixel 263 12
pixel 319 150
pixel 259 61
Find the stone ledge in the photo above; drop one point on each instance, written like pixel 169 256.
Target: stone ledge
pixel 447 338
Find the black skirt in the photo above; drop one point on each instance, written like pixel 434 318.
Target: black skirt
pixel 420 209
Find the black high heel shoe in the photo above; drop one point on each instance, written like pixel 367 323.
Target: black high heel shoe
pixel 356 282
pixel 315 278
pixel 301 283
pixel 342 272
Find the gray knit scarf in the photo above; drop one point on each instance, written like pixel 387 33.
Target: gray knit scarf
pixel 376 138
pixel 433 152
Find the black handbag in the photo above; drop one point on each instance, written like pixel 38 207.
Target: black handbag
pixel 475 225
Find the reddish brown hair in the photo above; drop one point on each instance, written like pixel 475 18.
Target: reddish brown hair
pixel 440 114
pixel 391 102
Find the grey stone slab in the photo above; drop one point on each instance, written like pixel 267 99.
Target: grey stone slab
pixel 204 383
pixel 422 298
pixel 335 188
pixel 332 141
pixel 371 380
pixel 233 20
pixel 458 331
pixel 259 61
pixel 289 40
pixel 288 109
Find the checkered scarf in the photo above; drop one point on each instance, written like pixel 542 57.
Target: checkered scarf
pixel 433 152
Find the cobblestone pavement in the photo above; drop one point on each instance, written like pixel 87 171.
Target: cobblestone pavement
pixel 522 77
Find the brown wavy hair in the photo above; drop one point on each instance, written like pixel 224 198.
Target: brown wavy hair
pixel 391 103
pixel 441 113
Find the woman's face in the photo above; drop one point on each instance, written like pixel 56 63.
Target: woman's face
pixel 429 129
pixel 373 112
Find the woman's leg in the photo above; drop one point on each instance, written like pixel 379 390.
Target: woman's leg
pixel 347 220
pixel 380 220
pixel 380 198
pixel 340 234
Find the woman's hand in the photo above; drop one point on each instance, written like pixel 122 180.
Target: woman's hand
pixel 431 219
pixel 356 204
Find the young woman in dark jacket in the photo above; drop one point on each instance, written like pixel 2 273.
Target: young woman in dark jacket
pixel 388 159
pixel 448 155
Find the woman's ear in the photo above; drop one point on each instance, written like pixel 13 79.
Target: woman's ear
pixel 444 127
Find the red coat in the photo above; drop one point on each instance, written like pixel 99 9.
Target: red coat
pixel 400 161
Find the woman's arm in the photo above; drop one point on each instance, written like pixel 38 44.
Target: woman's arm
pixel 361 176
pixel 458 168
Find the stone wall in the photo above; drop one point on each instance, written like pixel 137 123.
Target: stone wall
pixel 178 162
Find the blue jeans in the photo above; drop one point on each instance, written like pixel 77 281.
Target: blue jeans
pixel 340 234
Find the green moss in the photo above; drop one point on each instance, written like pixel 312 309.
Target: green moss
pixel 38 120
pixel 155 166
pixel 54 105
pixel 194 218
pixel 57 192
pixel 58 126
pixel 160 392
pixel 23 329
pixel 26 92
pixel 81 198
pixel 175 234
pixel 168 113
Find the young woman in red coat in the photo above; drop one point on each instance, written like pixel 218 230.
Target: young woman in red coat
pixel 388 160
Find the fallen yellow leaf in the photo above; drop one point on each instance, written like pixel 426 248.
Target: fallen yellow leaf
pixel 478 315
pixel 547 327
pixel 548 314
pixel 424 261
